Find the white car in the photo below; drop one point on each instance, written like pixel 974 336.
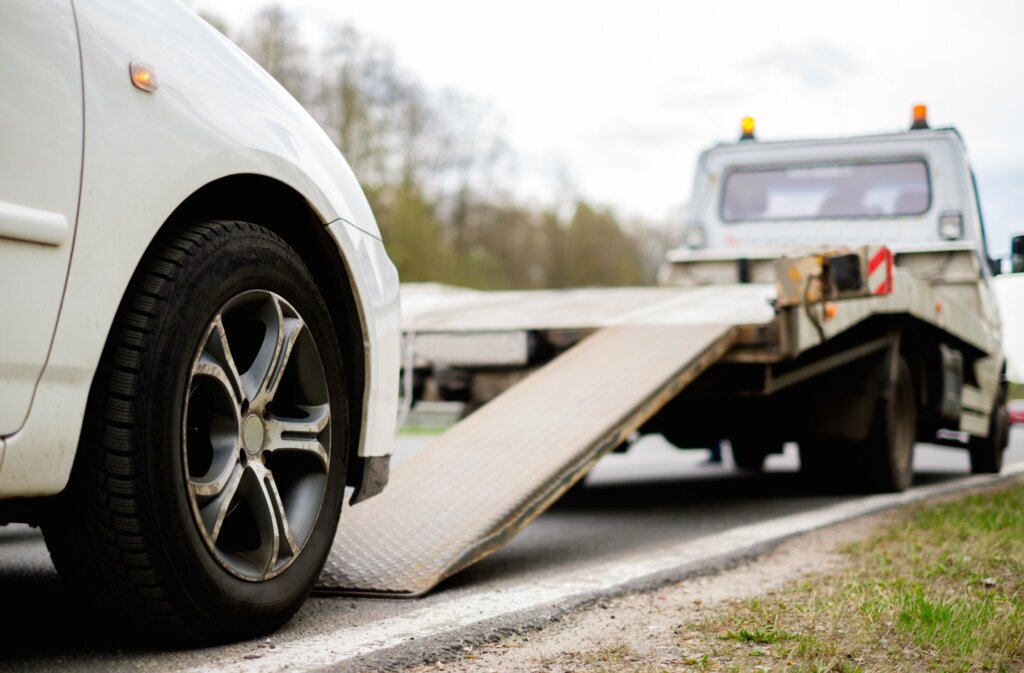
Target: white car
pixel 199 335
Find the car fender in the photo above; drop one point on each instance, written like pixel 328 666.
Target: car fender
pixel 214 114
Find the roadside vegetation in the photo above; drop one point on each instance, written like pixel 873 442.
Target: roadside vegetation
pixel 937 588
pixel 436 170
pixel 941 590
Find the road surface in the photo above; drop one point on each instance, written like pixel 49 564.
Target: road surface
pixel 632 507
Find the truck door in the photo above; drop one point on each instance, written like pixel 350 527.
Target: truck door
pixel 41 135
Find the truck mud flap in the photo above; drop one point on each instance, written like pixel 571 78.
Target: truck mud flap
pixel 471 490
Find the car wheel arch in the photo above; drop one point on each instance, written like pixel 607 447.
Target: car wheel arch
pixel 279 207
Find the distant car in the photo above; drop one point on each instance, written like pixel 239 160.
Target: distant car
pixel 200 338
pixel 1016 408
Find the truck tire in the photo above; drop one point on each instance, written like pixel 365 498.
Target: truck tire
pixel 987 452
pixel 820 461
pixel 887 456
pixel 210 471
pixel 749 455
pixel 884 460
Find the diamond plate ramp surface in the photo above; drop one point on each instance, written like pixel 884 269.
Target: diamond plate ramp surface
pixel 473 488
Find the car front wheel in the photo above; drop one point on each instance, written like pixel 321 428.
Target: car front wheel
pixel 211 468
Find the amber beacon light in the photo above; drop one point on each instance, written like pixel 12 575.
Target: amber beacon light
pixel 920 117
pixel 747 128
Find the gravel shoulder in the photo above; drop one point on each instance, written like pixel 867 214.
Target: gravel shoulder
pixel 645 628
pixel 935 586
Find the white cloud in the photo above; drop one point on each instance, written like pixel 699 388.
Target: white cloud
pixel 817 65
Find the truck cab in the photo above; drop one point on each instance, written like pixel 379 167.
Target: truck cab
pixel 907 190
pixel 912 191
pixel 911 198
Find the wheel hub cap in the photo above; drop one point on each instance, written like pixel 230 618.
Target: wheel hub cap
pixel 252 434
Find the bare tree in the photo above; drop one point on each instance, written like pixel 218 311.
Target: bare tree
pixel 214 20
pixel 427 161
pixel 273 41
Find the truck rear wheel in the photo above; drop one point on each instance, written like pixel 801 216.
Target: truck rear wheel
pixel 987 452
pixel 820 460
pixel 888 452
pixel 884 460
pixel 749 454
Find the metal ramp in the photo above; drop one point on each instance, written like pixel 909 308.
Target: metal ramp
pixel 472 489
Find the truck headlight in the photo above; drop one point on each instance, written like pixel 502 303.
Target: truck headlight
pixel 695 236
pixel 951 226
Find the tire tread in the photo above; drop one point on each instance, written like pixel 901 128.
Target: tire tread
pixel 115 526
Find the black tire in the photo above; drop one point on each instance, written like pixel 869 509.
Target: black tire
pixel 820 461
pixel 888 453
pixel 884 460
pixel 126 533
pixel 987 452
pixel 749 455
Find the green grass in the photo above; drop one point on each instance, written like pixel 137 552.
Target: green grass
pixel 760 636
pixel 940 590
pixel 419 432
pixel 1016 391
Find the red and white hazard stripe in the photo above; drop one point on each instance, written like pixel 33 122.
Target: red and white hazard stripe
pixel 879 270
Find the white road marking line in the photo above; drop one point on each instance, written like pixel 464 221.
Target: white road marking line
pixel 321 650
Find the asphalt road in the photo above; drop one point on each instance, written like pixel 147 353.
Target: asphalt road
pixel 630 506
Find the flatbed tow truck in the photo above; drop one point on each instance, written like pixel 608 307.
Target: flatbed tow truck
pixel 834 293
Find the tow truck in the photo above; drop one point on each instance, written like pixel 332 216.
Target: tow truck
pixel 834 293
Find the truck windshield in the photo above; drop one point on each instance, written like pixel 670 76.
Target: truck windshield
pixel 827 191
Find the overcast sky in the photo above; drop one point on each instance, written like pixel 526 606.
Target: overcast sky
pixel 624 95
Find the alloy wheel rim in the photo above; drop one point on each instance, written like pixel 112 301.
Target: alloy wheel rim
pixel 256 435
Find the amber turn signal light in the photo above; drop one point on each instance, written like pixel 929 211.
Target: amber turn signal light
pixel 144 77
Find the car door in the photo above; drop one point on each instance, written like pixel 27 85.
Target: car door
pixel 41 136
